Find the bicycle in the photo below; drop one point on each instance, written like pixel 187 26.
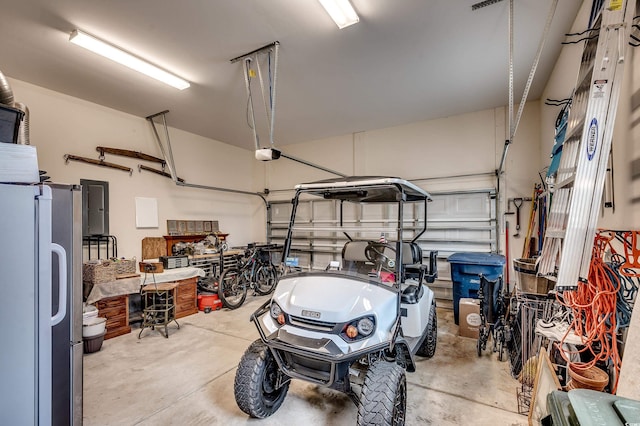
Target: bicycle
pixel 254 270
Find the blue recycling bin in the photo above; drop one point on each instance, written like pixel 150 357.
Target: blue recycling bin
pixel 466 268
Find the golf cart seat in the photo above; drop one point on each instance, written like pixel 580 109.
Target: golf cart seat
pixel 353 257
pixel 416 270
pixel 353 251
pixel 413 269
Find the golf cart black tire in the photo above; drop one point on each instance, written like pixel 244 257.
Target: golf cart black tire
pixel 384 396
pixel 254 370
pixel 226 274
pixel 428 347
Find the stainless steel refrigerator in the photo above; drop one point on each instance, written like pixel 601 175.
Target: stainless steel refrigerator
pixel 66 230
pixel 41 311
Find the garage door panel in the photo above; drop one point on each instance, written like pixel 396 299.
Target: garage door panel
pixel 324 211
pixel 458 221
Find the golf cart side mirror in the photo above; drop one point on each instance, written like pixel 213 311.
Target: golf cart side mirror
pixel 433 266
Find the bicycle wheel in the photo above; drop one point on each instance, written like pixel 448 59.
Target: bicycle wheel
pixel 232 289
pixel 266 279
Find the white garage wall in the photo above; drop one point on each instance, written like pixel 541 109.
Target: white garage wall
pixel 332 153
pixel 434 148
pixel 61 124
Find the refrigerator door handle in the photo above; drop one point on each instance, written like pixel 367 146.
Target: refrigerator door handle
pixel 62 280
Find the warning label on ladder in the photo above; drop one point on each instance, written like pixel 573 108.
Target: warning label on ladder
pixel 615 5
pixel 599 89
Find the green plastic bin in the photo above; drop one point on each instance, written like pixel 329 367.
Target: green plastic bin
pixel 585 407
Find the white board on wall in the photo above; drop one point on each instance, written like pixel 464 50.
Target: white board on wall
pixel 146 212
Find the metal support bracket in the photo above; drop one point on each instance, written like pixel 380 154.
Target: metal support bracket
pixel 513 122
pixel 168 156
pixel 270 106
pixel 269 99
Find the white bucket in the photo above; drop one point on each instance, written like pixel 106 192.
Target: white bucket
pixel 89 311
pixel 93 326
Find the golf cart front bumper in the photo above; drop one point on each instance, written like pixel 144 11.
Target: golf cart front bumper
pixel 317 360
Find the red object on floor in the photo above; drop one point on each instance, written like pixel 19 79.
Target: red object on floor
pixel 209 301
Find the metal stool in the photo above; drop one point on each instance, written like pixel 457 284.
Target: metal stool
pixel 159 306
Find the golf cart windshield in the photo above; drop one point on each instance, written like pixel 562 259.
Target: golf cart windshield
pixel 375 221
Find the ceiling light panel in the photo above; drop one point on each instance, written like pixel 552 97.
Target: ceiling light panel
pixel 341 12
pixel 118 55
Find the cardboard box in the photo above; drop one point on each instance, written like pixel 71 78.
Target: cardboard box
pixel 469 317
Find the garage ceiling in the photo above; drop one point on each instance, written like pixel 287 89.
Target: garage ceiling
pixel 406 60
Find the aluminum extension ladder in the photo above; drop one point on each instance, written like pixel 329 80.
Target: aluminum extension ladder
pixel 578 187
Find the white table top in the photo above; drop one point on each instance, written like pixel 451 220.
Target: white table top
pixel 133 285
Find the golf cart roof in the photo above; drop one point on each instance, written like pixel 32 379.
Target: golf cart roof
pixel 372 189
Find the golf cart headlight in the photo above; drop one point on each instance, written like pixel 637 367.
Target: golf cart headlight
pixel 358 329
pixel 275 310
pixel 276 313
pixel 365 326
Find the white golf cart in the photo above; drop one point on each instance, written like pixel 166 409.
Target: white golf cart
pixel 356 326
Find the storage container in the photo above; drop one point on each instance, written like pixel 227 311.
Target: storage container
pixel 528 282
pixel 125 266
pixel 97 273
pixel 590 378
pixel 10 119
pixel 469 318
pixel 93 343
pixel 151 267
pixel 589 407
pixel 466 268
pixel 173 262
pixel 93 326
pixel 89 311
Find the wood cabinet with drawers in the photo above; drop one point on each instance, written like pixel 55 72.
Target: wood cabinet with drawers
pixel 186 297
pixel 116 311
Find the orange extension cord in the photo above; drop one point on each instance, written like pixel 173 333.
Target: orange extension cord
pixel 593 306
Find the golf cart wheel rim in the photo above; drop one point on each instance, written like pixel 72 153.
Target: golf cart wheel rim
pixel 400 404
pixel 269 381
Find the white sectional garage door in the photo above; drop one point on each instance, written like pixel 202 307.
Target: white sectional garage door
pixel 456 221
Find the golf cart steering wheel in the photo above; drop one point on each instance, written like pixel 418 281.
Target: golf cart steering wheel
pixel 375 253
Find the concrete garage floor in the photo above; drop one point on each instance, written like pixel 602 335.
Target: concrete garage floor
pixel 187 379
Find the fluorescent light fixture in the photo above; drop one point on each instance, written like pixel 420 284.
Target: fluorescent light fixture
pixel 118 55
pixel 341 12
